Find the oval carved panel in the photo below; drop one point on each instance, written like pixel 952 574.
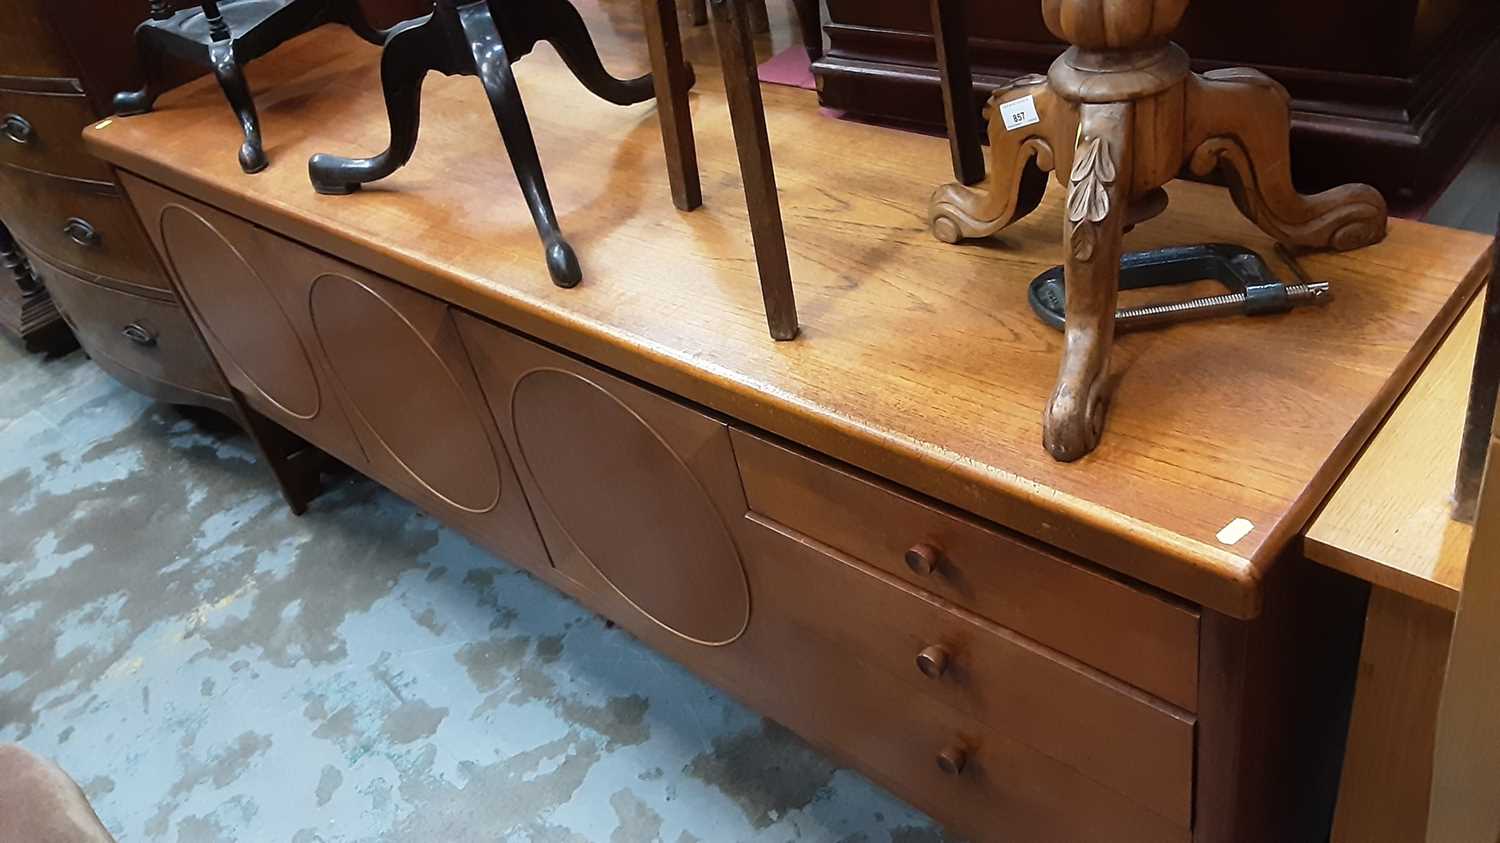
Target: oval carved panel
pixel 631 505
pixel 402 389
pixel 239 312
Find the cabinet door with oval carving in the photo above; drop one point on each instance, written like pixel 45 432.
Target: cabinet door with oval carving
pixel 637 496
pixel 397 365
pixel 251 313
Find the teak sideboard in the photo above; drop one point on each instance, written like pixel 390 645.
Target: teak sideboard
pixel 857 533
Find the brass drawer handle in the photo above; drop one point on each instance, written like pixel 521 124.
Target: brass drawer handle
pixel 139 334
pixel 81 232
pixel 933 661
pixel 924 559
pixel 17 129
pixel 952 760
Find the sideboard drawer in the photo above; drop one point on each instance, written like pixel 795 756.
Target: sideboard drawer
pixel 44 132
pixel 1130 633
pixel 1105 730
pixel 148 336
pixel 82 225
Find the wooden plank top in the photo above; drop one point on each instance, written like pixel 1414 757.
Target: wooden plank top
pixel 919 361
pixel 1390 522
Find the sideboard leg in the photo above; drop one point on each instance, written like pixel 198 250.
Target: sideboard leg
pixel 492 66
pixel 747 113
pixel 672 78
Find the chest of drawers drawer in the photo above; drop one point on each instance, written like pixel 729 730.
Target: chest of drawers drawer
pixel 43 132
pixel 149 336
pixel 85 226
pixel 1109 732
pixel 1130 633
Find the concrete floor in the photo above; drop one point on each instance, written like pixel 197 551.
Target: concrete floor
pixel 211 668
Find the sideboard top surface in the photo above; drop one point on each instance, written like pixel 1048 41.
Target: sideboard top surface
pixel 918 361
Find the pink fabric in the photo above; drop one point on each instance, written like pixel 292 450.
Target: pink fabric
pixel 791 67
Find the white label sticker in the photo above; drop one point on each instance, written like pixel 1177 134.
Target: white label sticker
pixel 1018 114
pixel 1235 530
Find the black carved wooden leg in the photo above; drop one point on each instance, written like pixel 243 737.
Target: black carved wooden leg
pixel 232 80
pixel 409 54
pixel 140 101
pixel 352 15
pixel 492 66
pixel 559 23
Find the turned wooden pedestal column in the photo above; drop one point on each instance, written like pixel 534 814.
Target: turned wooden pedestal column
pixel 1117 117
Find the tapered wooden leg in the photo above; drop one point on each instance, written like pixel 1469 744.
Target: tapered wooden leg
pixel 297 466
pixel 669 74
pixel 232 79
pixel 950 29
pixel 408 56
pixel 760 19
pixel 1098 199
pixel 569 35
pixel 1239 123
pixel 492 66
pixel 747 113
pixel 1020 160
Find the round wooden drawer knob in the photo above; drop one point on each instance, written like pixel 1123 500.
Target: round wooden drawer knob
pixel 924 559
pixel 952 760
pixel 933 661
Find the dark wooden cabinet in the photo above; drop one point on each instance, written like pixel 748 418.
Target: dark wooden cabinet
pixel 1389 92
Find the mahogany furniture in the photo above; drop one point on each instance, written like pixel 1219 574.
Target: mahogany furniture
pixel 65 209
pixel 1390 92
pixel 1116 118
pixel 854 533
pixel 224 40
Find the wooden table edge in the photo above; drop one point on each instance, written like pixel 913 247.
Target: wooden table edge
pixel 1196 570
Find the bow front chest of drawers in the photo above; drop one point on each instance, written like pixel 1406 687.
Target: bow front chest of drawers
pixel 857 533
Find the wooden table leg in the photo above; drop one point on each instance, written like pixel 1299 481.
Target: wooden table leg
pixel 669 74
pixel 950 27
pixel 747 113
pixel 1384 791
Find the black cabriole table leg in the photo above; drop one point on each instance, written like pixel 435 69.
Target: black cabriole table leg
pixel 409 54
pixel 493 67
pixel 484 39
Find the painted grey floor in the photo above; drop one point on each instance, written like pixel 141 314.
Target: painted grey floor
pixel 211 668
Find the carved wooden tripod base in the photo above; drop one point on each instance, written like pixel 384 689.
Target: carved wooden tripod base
pixel 1115 125
pixel 470 38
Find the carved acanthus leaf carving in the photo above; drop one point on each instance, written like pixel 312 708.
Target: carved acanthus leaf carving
pixel 1094 171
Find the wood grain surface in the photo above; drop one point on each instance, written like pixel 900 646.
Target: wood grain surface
pixel 1390 521
pixel 919 361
